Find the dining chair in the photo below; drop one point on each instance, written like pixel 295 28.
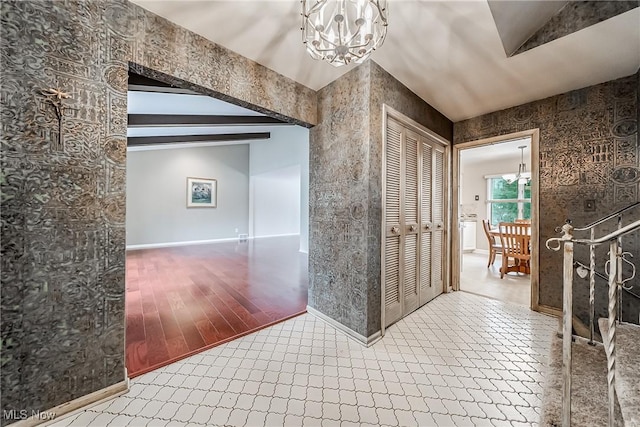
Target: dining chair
pixel 522 221
pixel 515 239
pixel 494 246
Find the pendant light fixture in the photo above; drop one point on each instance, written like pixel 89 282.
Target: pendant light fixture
pixel 523 177
pixel 343 31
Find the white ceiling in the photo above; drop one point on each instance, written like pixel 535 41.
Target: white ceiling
pixel 447 52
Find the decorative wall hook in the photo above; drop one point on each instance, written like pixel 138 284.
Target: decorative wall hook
pixel 56 97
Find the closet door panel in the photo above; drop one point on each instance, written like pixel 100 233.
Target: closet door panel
pixel 426 224
pixel 437 254
pixel 411 218
pixel 393 291
pixel 426 283
pixel 393 262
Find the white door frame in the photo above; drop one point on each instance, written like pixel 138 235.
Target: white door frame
pixel 429 134
pixel 534 134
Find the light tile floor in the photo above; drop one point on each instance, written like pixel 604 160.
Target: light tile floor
pixel 460 360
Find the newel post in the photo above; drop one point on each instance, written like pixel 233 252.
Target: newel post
pixel 567 321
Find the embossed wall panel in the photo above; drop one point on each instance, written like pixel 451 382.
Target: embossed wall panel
pixel 60 204
pixel 338 200
pixel 63 198
pixel 588 151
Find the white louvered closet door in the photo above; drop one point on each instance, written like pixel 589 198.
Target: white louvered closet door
pixel 426 223
pixel 393 271
pixel 438 249
pixel 414 221
pixel 411 222
pixel 433 225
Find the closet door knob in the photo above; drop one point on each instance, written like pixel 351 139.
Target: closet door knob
pixel 395 230
pixel 412 228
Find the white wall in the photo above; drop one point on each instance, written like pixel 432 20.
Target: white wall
pixel 276 202
pixel 156 194
pixel 279 185
pixel 473 183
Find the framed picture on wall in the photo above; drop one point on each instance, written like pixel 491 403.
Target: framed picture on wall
pixel 202 193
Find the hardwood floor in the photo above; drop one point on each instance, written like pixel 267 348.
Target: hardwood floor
pixel 182 300
pixel 476 278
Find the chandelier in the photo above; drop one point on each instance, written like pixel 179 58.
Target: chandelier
pixel 342 31
pixel 523 176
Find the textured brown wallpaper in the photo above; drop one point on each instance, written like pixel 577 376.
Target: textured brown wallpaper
pixel 588 151
pixel 338 200
pixel 63 201
pixel 575 16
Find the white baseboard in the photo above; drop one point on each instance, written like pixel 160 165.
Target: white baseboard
pixel 360 339
pixel 372 339
pixel 172 244
pixel 74 406
pixel 199 242
pixel 275 235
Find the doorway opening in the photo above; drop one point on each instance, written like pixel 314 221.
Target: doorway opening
pixel 495 235
pixel 216 223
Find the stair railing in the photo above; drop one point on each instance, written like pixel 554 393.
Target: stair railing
pixel 583 270
pixel 592 262
pixel 616 256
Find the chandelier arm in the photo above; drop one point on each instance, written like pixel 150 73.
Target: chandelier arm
pixel 324 50
pixel 353 37
pixel 323 37
pixel 359 45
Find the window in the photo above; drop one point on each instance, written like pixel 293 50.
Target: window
pixel 507 202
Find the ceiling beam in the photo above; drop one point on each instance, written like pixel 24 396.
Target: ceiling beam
pixel 164 120
pixel 136 141
pixel 138 80
pixel 140 83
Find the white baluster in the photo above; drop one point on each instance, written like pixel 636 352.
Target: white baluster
pixel 611 342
